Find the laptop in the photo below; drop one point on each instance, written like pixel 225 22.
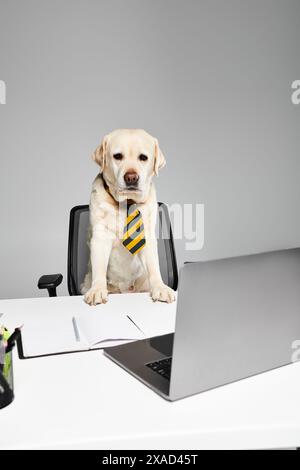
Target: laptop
pixel 235 318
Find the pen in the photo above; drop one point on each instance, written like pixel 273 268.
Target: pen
pixel 3 345
pixel 134 324
pixel 3 335
pixel 2 353
pixel 77 335
pixel 13 338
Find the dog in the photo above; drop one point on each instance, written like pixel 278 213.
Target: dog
pixel 128 160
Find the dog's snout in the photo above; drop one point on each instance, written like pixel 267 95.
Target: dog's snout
pixel 131 178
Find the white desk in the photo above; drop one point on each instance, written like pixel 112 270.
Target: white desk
pixel 84 401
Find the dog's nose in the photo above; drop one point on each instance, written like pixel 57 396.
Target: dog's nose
pixel 131 178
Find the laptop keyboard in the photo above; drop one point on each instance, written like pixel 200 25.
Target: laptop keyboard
pixel 162 367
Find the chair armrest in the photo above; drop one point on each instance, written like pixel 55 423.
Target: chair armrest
pixel 50 282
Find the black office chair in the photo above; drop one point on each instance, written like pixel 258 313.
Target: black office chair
pixel 78 252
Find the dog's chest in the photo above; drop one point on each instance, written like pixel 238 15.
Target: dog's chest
pixel 123 267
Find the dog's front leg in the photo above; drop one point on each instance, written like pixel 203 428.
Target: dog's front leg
pixel 158 290
pixel 100 246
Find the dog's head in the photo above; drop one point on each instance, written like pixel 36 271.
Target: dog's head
pixel 128 159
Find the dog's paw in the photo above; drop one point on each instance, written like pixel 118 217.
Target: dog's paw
pixel 163 293
pixel 96 295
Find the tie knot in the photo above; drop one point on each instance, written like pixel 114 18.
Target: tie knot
pixel 131 208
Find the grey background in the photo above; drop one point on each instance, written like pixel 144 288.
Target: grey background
pixel 210 79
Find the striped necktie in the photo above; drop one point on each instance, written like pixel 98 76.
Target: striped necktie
pixel 134 235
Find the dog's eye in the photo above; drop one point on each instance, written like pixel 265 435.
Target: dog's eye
pixel 118 156
pixel 143 157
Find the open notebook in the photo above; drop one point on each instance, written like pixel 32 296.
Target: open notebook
pixel 66 324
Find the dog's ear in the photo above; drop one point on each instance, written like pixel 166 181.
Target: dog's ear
pixel 99 156
pixel 159 159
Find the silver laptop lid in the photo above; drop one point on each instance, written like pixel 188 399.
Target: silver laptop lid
pixel 236 317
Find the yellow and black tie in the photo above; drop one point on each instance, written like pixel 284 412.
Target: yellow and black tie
pixel 134 234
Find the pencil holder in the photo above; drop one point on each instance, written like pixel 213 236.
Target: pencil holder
pixel 6 381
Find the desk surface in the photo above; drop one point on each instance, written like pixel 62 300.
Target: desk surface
pixel 84 401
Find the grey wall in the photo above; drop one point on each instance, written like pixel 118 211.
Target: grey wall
pixel 210 79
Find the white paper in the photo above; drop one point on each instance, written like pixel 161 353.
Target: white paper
pixel 154 318
pixel 48 327
pixel 49 336
pixel 155 323
pixel 100 327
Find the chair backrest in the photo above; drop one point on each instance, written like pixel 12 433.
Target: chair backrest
pixel 78 250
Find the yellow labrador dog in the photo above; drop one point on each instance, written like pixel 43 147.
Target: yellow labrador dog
pixel 128 159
